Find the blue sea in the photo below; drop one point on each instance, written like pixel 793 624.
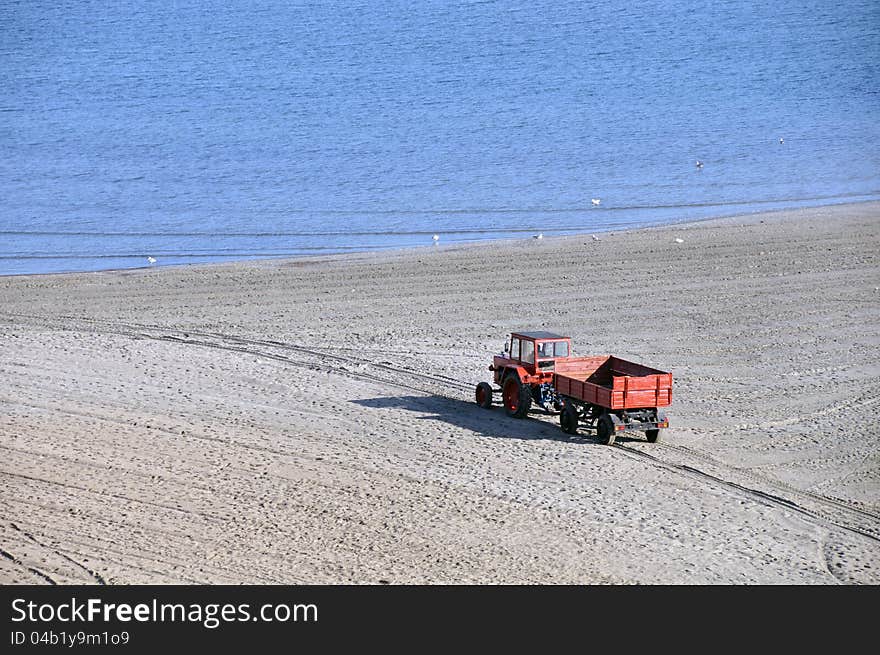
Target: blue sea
pixel 210 131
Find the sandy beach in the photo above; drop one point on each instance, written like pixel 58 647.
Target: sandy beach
pixel 312 421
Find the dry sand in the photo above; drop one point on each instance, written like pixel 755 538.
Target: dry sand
pixel 313 421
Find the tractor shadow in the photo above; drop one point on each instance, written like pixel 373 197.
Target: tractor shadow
pixel 487 422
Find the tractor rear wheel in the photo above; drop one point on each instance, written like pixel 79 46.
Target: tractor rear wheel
pixel 653 435
pixel 517 397
pixel 568 419
pixel 484 395
pixel 605 430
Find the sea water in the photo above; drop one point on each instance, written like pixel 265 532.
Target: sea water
pixel 209 131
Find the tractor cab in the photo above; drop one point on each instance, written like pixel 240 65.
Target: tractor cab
pixel 537 351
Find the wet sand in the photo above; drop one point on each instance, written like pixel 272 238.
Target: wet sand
pixel 312 421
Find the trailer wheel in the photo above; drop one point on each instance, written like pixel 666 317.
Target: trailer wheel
pixel 517 397
pixel 605 430
pixel 568 419
pixel 653 435
pixel 484 395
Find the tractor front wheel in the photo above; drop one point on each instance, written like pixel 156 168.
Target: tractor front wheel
pixel 484 395
pixel 517 397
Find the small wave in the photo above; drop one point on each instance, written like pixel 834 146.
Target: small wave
pixel 188 255
pixel 537 211
pixel 500 230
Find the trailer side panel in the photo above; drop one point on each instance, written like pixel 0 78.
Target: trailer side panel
pixel 616 384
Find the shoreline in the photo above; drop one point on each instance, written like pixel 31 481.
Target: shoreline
pixel 312 420
pixel 480 242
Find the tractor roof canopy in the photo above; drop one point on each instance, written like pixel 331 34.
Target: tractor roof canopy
pixel 539 334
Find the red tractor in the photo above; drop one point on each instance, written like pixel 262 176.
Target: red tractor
pixel 605 393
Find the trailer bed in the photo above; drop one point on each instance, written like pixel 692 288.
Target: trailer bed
pixel 614 383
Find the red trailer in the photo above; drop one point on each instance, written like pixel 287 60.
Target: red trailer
pixel 605 393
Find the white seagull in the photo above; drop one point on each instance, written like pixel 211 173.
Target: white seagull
pixel 595 238
pixel 539 236
pixel 596 201
pixel 781 140
pixel 699 164
pixel 152 260
pixel 436 238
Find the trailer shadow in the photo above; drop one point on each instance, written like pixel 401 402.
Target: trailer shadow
pixel 487 422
